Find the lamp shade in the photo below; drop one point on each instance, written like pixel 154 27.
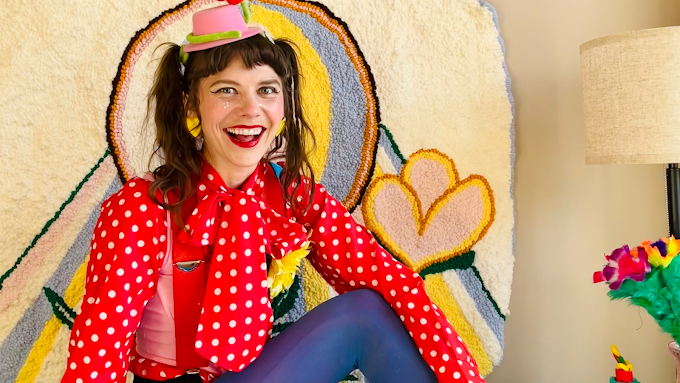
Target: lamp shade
pixel 631 97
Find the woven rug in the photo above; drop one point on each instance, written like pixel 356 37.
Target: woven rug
pixel 412 110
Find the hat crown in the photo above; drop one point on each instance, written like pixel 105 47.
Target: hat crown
pixel 223 18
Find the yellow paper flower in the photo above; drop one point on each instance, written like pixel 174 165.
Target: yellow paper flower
pixel 672 247
pixel 282 271
pixel 654 255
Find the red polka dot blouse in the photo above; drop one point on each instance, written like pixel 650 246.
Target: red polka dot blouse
pixel 128 248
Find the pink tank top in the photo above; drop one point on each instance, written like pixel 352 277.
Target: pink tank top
pixel 156 332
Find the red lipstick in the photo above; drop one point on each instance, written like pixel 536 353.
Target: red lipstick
pixel 245 141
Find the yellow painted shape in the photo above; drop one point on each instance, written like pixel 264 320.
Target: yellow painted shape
pixel 439 292
pixel 314 286
pixel 316 84
pixel 378 172
pixel 54 364
pixel 43 346
pixel 402 181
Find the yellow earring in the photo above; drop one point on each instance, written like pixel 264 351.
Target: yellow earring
pixel 194 126
pixel 282 126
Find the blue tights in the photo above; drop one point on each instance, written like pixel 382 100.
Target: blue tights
pixel 355 330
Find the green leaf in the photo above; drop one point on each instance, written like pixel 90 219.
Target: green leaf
pixel 59 307
pixel 460 262
pixel 285 301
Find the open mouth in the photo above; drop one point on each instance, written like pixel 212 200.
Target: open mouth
pixel 245 136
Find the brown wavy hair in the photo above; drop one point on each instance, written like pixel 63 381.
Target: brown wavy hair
pixel 174 93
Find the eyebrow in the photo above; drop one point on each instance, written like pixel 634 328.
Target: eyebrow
pixel 231 82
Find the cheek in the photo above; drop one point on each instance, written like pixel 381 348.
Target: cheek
pixel 273 109
pixel 214 110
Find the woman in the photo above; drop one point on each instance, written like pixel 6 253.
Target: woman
pixel 184 262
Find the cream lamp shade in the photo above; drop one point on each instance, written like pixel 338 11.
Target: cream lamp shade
pixel 631 97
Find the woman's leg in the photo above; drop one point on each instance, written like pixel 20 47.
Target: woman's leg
pixel 355 330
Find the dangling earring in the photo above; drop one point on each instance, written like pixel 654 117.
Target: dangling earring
pixel 282 127
pixel 194 126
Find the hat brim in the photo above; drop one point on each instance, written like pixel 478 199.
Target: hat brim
pixel 252 31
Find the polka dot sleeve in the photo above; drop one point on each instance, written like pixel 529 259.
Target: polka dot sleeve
pixel 349 257
pixel 127 245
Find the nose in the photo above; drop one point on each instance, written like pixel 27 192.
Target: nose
pixel 250 106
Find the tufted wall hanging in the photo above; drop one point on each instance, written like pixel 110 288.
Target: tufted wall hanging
pixel 411 107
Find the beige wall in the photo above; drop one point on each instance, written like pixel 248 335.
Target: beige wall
pixel 569 214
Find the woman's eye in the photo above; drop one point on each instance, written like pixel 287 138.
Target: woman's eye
pixel 268 90
pixel 226 90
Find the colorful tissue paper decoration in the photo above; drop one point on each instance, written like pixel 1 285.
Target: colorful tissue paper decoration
pixel 647 276
pixel 624 370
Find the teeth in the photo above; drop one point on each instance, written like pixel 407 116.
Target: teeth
pixel 245 132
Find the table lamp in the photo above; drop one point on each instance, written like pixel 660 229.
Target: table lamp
pixel 631 104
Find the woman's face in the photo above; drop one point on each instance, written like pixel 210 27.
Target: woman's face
pixel 240 110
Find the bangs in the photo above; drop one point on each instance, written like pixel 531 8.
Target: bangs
pixel 253 51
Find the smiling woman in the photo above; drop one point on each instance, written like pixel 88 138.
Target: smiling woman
pixel 239 115
pixel 187 258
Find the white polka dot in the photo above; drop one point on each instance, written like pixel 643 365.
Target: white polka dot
pixel 423 321
pixel 102 316
pixel 232 340
pixel 230 357
pixel 249 320
pixel 199 344
pixel 433 353
pixel 110 330
pixel 215 342
pixel 216 325
pixel 94 374
pixel 232 323
pixel 218 291
pixel 112 294
pixel 442 369
pixel 217 308
pixel 232 289
pixel 456 375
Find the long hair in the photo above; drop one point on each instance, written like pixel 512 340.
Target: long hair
pixel 175 92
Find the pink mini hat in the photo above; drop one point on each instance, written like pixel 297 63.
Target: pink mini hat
pixel 220 25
